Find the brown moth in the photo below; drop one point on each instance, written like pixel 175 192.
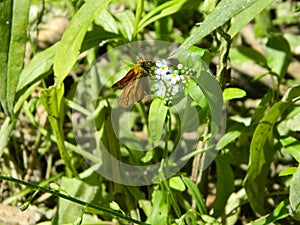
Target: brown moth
pixel 135 84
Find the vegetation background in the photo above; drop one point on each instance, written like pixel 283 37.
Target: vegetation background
pixel 253 48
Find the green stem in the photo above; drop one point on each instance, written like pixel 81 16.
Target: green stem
pixel 75 200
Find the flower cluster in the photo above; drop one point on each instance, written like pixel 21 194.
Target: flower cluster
pixel 168 79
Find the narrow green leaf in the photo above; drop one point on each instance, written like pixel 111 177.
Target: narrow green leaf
pixel 39 67
pixel 260 110
pixel 14 31
pixel 280 212
pixel 194 191
pixel 96 36
pixel 160 11
pixel 68 49
pixel 233 93
pixel 261 152
pixel 279 55
pixel 138 15
pixel 223 12
pixel 127 23
pixel 110 142
pixel 225 185
pixel 107 21
pixel 52 99
pixel 245 17
pixel 157 116
pixel 5 27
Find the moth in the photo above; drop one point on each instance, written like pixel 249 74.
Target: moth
pixel 135 83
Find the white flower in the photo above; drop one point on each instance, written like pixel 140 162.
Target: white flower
pixel 161 69
pixel 174 77
pixel 179 66
pixel 160 89
pixel 175 90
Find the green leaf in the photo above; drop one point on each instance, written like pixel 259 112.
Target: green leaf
pixel 39 67
pixel 197 95
pixel 6 130
pixel 245 17
pixel 148 156
pixel 111 142
pixel 212 91
pixel 295 195
pixel 160 207
pixel 67 211
pixel 13 29
pixel 231 134
pixel 280 212
pixel 223 12
pixel 96 36
pixel 107 21
pixel 292 146
pixel 127 22
pixel 225 185
pixel 166 9
pixel 292 94
pixel 157 116
pixel 233 93
pixel 263 24
pixel 279 55
pixel 293 40
pixel 52 99
pixel 194 191
pixel 243 54
pixel 261 151
pixel 177 183
pixel 260 110
pixel 288 171
pixel 68 49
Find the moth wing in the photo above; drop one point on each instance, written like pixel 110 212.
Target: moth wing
pixel 142 89
pixel 134 91
pixel 127 97
pixel 125 81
